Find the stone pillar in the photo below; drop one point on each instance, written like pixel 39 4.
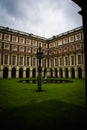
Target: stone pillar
pixel 1 73
pixel 69 72
pixel 64 73
pixel 76 72
pixel 83 72
pixel 9 72
pixel 48 72
pixel 58 74
pixel 24 72
pixel 17 72
pixel 31 72
pixel 53 72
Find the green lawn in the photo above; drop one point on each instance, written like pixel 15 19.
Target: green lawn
pixel 59 106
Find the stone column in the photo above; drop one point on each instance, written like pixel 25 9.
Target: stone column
pixel 58 74
pixel 69 72
pixel 1 73
pixel 31 72
pixel 24 72
pixel 9 72
pixel 17 72
pixel 83 72
pixel 48 72
pixel 76 72
pixel 64 73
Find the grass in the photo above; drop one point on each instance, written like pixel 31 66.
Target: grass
pixel 59 106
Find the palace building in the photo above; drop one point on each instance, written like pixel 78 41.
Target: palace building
pixel 63 54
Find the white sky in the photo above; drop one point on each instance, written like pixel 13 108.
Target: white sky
pixel 40 17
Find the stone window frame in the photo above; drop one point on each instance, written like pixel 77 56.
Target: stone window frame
pixel 6 46
pixel 7 37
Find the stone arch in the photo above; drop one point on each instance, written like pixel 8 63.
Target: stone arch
pixel 66 72
pixel 27 73
pixel 13 72
pixel 61 72
pixel 51 73
pixel 79 72
pixel 34 73
pixel 5 72
pixel 21 73
pixel 55 71
pixel 72 73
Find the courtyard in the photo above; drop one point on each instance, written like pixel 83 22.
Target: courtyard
pixel 59 106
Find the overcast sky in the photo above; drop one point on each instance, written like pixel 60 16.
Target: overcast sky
pixel 40 17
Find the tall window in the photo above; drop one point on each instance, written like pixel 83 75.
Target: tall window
pixel 66 60
pixel 34 61
pixel 72 60
pixel 5 59
pixel 13 60
pixel 21 60
pixel 27 61
pixel 55 60
pixel 79 59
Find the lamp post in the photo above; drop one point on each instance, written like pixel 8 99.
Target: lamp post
pixel 39 57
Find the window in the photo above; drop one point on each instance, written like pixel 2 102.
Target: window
pixel 78 37
pixel 27 61
pixel 6 59
pixel 78 46
pixel 1 36
pixel 6 46
pixel 34 50
pixel 28 41
pixel 71 39
pixel 13 60
pixel 55 61
pixel 55 43
pixel 65 40
pixel 66 49
pixel 14 39
pixel 34 43
pixel 66 60
pixel 45 45
pixel 34 61
pixel 72 48
pixel 21 60
pixel 22 48
pixel 79 59
pixel 44 62
pixel 21 40
pixel 40 44
pixel 60 50
pixel 72 60
pixel 28 49
pixel 14 48
pixel 60 61
pixel 7 37
pixel 59 42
